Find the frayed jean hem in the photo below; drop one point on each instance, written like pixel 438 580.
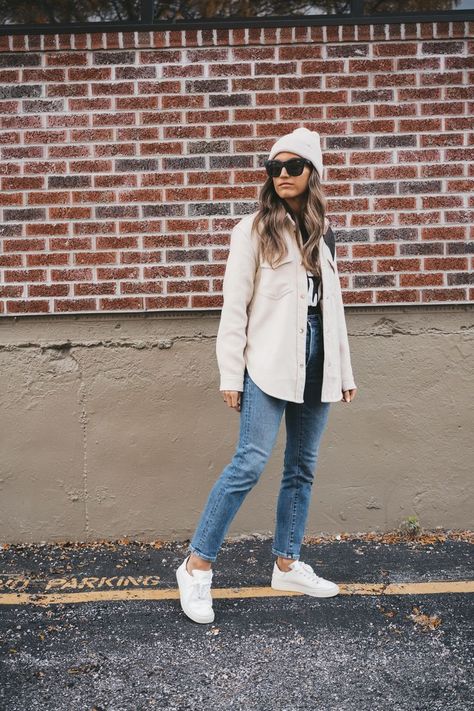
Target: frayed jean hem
pixel 192 549
pixel 285 555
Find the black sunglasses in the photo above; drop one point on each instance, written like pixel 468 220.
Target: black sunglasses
pixel 294 166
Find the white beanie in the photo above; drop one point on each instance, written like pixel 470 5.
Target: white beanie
pixel 304 143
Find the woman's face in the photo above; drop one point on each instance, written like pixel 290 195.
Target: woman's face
pixel 290 186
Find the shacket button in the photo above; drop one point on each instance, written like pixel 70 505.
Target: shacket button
pixel 301 330
pixel 302 296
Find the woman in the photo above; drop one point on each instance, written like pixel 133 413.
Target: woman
pixel 281 347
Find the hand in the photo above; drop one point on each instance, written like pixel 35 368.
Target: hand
pixel 348 395
pixel 232 398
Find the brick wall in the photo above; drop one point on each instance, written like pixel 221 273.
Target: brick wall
pixel 128 157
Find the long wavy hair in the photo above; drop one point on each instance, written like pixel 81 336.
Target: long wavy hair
pixel 270 217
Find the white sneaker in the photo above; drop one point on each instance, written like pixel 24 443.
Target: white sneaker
pixel 302 578
pixel 195 593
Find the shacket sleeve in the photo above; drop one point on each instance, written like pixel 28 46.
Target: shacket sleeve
pixel 237 289
pixel 348 382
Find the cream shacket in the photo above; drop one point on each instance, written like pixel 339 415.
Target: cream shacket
pixel 264 320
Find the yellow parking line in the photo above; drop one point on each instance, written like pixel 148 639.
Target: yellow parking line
pixel 430 588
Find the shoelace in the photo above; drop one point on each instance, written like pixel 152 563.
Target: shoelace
pixel 306 570
pixel 203 588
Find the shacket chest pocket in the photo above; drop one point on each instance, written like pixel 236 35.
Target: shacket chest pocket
pixel 277 281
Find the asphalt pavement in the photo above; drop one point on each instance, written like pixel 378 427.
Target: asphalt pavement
pixel 98 626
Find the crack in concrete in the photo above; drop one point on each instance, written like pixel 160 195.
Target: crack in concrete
pixel 83 421
pixel 105 343
pixel 385 328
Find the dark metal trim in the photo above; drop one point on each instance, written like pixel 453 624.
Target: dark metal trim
pixel 235 23
pixel 146 11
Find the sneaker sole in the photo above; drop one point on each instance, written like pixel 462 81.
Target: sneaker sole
pixel 189 614
pixel 292 587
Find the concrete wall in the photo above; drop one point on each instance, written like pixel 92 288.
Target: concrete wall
pixel 114 426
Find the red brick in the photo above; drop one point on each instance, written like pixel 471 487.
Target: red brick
pixel 445 263
pixel 430 295
pixel 121 304
pixel 98 288
pixel 398 265
pixel 382 249
pixel 48 290
pixel 421 279
pixel 397 296
pixel 150 287
pixel 21 306
pixel 74 305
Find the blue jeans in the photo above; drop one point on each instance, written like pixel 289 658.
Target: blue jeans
pixel 260 417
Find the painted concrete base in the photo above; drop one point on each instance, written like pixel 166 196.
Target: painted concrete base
pixel 113 426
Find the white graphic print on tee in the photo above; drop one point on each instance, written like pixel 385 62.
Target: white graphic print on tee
pixel 314 288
